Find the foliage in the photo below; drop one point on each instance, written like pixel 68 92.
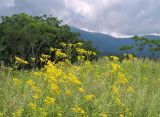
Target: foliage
pixel 103 88
pixel 126 48
pixel 152 44
pixel 28 37
pixel 141 43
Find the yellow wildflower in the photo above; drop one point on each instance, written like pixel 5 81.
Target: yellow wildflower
pixel 59 115
pixel 63 44
pixel 30 83
pixel 21 61
pixel 80 89
pixel 90 53
pixel 114 58
pixel 37 74
pixel 78 109
pixel 74 79
pixel 49 101
pixel 45 57
pixel 122 78
pixel 59 53
pixel 18 112
pixel 70 45
pixel 127 109
pixel 130 90
pixel 68 92
pixel 42 112
pixel 130 114
pixel 81 51
pixel 17 82
pixel 89 97
pixel 130 56
pixel 115 90
pixel 33 59
pixel 118 101
pixel 121 115
pixel 79 44
pixel 80 58
pixel 103 115
pixel 32 106
pixel 36 89
pixel 54 88
pixel 115 67
pixel 145 66
pixel 42 60
pixel 36 96
pixel 52 49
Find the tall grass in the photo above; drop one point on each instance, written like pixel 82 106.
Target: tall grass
pixel 92 89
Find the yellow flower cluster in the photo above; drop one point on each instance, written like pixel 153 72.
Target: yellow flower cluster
pixel 59 53
pixel 114 58
pixel 120 82
pixel 33 106
pixel 81 51
pixel 42 112
pixel 17 82
pixel 129 57
pixel 21 61
pixel 49 101
pixel 35 96
pixel 103 115
pixel 115 67
pixel 73 79
pixel 115 90
pixel 130 90
pixel 76 87
pixel 122 78
pixel 89 97
pixel 78 109
pixel 84 52
pixel 54 88
pixel 68 92
pixel 35 89
pixel 45 57
pixel 18 112
pixel 80 89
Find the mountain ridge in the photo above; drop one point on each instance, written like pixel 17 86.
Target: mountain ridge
pixel 109 45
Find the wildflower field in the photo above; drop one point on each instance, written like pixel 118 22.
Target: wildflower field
pixel 102 88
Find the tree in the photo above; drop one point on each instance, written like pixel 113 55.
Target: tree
pixel 29 36
pixel 141 43
pixel 126 48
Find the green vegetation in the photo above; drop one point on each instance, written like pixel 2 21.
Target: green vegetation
pixel 102 88
pixel 126 48
pixel 142 43
pixel 28 37
pixel 68 83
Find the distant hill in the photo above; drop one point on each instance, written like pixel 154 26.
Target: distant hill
pixel 109 45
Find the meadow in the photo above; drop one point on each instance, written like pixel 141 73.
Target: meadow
pixel 106 87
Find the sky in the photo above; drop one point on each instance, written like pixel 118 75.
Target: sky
pixel 114 17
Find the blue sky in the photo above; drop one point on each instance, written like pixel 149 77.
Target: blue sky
pixel 115 17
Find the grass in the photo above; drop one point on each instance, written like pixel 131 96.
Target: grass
pixel 103 88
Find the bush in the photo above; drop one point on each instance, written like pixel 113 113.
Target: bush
pixel 28 37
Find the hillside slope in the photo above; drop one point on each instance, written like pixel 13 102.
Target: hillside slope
pixel 109 45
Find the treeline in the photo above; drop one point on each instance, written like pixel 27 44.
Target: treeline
pixel 29 37
pixel 143 44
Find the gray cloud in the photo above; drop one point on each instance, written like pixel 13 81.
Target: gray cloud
pixel 128 17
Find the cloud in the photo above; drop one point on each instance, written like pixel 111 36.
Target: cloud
pixel 6 3
pixel 120 17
